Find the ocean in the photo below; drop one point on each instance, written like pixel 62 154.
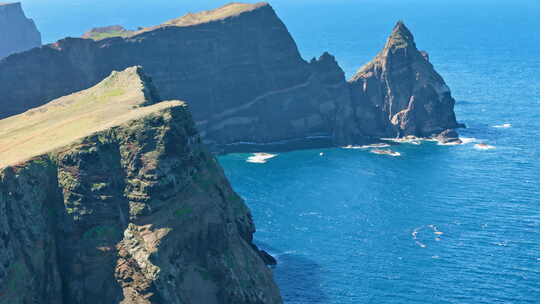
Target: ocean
pixel 438 224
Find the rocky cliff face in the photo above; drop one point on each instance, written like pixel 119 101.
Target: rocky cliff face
pixel 17 33
pixel 245 81
pixel 399 93
pixel 237 66
pixel 133 210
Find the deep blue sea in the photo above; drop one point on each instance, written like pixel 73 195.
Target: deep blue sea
pixel 440 224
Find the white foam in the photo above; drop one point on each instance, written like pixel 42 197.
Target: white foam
pixel 484 147
pixel 422 245
pixel 413 140
pixel 386 152
pixel 260 158
pixel 452 143
pixel 467 140
pixel 464 141
pixel 503 126
pixel 379 145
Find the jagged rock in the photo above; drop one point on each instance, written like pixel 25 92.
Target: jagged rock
pixel 267 258
pixel 109 197
pixel 17 33
pixel 399 93
pixel 448 137
pixel 237 66
pixel 246 83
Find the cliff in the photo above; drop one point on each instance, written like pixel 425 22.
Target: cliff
pixel 399 93
pixel 244 79
pixel 17 33
pixel 109 197
pixel 237 66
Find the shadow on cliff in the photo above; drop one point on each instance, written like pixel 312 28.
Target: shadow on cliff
pixel 297 276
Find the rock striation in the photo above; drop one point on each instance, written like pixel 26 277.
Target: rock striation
pixel 399 93
pixel 108 196
pixel 246 83
pixel 17 33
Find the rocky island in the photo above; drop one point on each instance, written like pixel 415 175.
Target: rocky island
pixel 17 33
pixel 399 93
pixel 109 196
pixel 247 85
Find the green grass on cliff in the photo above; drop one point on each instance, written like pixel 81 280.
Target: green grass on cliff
pixel 229 10
pixel 191 19
pixel 112 102
pixel 104 35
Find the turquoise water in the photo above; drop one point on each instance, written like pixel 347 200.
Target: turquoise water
pixel 354 227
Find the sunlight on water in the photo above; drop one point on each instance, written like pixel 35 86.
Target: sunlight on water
pixel 440 224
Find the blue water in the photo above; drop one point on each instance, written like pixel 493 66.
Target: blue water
pixel 354 227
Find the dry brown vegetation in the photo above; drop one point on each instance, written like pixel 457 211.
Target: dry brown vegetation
pixel 114 101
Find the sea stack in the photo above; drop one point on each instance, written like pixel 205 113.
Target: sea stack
pixel 245 81
pixel 399 93
pixel 17 33
pixel 109 196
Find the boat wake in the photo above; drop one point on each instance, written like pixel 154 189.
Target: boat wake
pixel 436 232
pixel 260 158
pixel 503 126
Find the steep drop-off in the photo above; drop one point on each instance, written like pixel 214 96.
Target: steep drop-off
pixel 399 93
pixel 17 33
pixel 244 79
pixel 114 199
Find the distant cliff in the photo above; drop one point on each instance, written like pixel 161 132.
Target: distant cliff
pixel 247 85
pixel 109 197
pixel 17 33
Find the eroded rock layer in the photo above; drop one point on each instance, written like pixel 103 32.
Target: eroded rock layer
pixel 237 66
pixel 247 85
pixel 399 93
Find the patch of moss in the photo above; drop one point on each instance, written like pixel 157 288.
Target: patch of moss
pixel 67 180
pixel 205 275
pixel 98 187
pixel 100 232
pixel 15 278
pixel 100 36
pixel 183 212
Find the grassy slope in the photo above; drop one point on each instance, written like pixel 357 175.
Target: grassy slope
pixel 113 101
pixel 105 35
